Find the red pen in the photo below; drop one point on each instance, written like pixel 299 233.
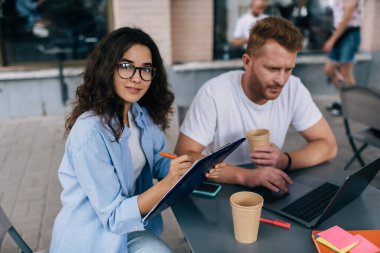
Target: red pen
pixel 171 156
pixel 278 223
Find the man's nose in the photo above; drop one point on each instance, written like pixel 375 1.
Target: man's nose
pixel 281 78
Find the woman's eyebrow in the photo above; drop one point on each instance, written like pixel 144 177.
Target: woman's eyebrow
pixel 130 61
pixel 126 60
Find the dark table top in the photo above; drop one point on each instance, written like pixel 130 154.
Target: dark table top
pixel 207 222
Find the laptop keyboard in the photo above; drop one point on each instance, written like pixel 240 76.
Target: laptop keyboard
pixel 313 203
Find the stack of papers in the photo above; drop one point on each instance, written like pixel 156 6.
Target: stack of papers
pixel 340 240
pixel 337 239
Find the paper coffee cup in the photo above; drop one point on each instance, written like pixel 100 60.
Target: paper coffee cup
pixel 246 210
pixel 258 138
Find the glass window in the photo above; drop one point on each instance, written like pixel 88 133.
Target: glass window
pixel 312 17
pixel 35 31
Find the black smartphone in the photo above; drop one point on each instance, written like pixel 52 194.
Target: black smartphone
pixel 208 189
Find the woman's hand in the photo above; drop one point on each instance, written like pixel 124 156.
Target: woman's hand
pixel 178 167
pixel 150 197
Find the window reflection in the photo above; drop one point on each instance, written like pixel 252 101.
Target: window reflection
pixel 35 30
pixel 314 18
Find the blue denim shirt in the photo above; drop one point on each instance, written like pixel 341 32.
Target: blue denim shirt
pixel 96 174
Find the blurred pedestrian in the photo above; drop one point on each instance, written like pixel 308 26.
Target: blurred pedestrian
pixel 247 21
pixel 342 46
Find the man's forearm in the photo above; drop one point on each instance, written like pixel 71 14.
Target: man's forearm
pixel 237 175
pixel 312 154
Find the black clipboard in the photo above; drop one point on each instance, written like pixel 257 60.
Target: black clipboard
pixel 191 179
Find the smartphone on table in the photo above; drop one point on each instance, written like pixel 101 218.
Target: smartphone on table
pixel 207 189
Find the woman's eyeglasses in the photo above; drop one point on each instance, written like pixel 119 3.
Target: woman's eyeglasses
pixel 127 70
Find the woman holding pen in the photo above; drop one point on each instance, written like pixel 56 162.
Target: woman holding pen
pixel 115 134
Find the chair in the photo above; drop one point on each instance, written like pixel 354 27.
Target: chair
pixel 6 227
pixel 361 105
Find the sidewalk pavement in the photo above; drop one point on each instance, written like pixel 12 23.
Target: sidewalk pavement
pixel 30 153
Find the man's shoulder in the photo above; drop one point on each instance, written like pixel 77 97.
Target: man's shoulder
pixel 262 16
pixel 293 89
pixel 248 17
pixel 245 17
pixel 224 80
pixel 220 86
pixel 295 80
pixel 294 83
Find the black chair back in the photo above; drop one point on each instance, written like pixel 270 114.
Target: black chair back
pixel 361 104
pixel 6 227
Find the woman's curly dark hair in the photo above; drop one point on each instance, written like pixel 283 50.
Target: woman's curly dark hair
pixel 97 92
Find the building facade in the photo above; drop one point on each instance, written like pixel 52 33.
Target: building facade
pixel 189 34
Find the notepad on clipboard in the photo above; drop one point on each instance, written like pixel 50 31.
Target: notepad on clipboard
pixel 192 178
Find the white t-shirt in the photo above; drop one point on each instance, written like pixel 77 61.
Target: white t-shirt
pixel 245 23
pixel 137 154
pixel 221 113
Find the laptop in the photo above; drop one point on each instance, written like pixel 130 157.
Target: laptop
pixel 310 207
pixel 192 178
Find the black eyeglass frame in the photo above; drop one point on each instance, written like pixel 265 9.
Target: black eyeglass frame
pixel 119 65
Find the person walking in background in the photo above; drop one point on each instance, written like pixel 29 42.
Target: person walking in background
pixel 264 95
pixel 36 22
pixel 112 150
pixel 247 21
pixel 30 10
pixel 342 45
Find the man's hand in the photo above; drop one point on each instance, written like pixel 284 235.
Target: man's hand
pixel 269 177
pixel 270 156
pixel 215 171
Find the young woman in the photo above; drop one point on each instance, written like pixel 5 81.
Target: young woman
pixel 112 150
